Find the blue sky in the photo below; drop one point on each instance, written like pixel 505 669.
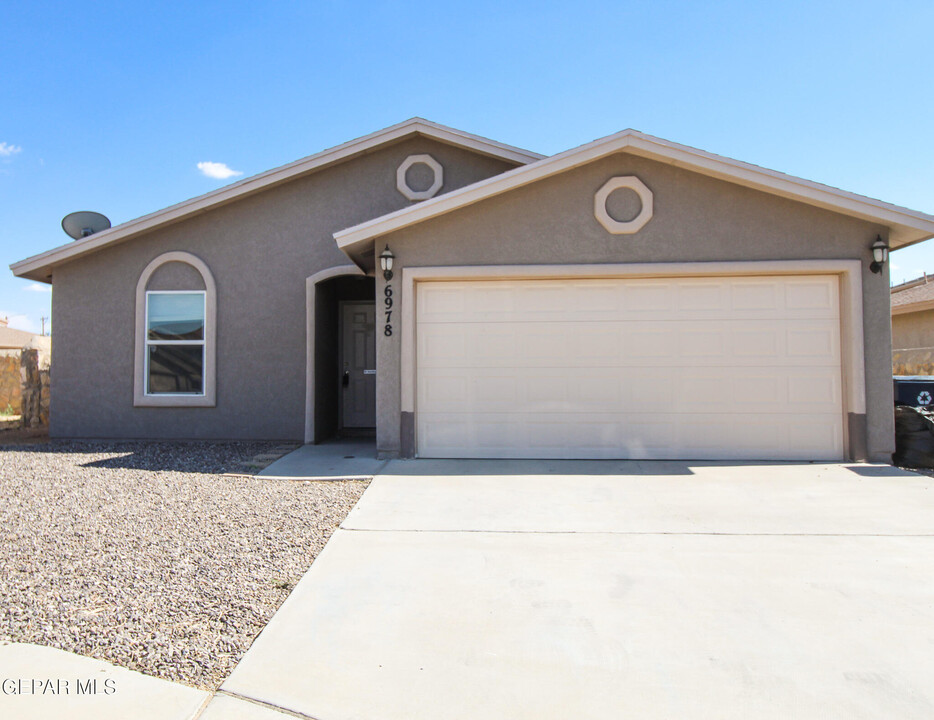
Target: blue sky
pixel 112 106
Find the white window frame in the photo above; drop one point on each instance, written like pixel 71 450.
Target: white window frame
pixel 208 395
pixel 150 343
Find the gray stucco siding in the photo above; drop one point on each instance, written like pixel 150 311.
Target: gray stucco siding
pixel 696 219
pixel 260 249
pixel 175 276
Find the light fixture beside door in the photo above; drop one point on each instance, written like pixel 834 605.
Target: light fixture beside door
pixel 385 262
pixel 880 254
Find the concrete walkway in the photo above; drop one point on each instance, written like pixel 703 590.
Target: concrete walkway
pixel 42 683
pixel 610 590
pixel 339 459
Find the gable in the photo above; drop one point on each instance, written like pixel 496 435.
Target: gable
pixel 695 218
pixel 269 242
pixel 904 226
pixel 495 157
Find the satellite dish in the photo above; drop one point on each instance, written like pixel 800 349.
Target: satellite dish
pixel 83 223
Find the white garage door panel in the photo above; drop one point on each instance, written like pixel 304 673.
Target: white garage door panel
pixel 619 343
pixel 659 436
pixel 595 300
pixel 639 389
pixel 649 368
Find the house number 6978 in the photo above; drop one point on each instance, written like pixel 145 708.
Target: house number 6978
pixel 387 301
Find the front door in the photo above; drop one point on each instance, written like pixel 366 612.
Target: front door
pixel 358 365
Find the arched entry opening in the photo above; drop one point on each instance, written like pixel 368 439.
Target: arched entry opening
pixel 342 356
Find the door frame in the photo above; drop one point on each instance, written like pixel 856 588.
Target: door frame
pixel 311 292
pixel 849 274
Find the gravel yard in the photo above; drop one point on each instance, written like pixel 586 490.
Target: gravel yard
pixel 145 555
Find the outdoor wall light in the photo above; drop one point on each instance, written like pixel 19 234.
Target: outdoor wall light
pixel 880 253
pixel 385 262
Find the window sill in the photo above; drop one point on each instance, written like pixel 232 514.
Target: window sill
pixel 178 401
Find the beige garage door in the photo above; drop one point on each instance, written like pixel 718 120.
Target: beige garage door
pixel 693 368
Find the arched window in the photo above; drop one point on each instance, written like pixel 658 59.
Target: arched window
pixel 175 334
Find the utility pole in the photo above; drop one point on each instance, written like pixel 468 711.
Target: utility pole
pixel 43 319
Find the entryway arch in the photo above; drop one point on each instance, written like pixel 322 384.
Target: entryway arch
pixel 325 292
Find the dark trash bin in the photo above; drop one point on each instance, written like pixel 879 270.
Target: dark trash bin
pixel 914 437
pixel 914 390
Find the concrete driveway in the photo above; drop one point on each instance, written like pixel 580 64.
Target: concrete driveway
pixel 491 589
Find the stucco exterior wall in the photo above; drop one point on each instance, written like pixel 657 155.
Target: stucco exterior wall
pixel 913 343
pixel 260 250
pixel 696 219
pixel 175 276
pixel 913 330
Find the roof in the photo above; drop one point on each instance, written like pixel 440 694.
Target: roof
pixel 12 338
pixel 39 267
pixel 906 226
pixel 917 296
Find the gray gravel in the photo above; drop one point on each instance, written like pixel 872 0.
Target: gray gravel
pixel 142 554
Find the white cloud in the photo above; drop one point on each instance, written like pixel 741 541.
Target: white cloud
pixel 6 150
pixel 220 171
pixel 21 322
pixel 38 287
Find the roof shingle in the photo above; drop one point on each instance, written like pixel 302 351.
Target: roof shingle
pixel 923 292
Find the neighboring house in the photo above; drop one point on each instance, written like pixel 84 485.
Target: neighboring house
pixel 630 298
pixel 12 339
pixel 913 328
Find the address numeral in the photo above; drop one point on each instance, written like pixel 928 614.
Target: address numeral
pixel 387 302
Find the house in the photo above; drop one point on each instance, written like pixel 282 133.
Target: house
pixel 913 327
pixel 13 339
pixel 629 298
